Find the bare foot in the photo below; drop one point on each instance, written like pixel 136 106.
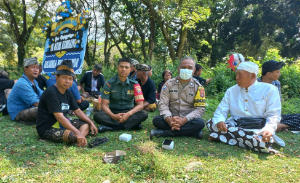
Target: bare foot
pixel 282 127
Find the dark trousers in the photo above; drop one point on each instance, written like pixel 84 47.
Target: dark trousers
pixel 83 105
pixel 191 127
pixel 133 121
pixel 292 120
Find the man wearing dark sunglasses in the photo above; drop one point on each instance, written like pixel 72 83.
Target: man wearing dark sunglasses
pixel 24 97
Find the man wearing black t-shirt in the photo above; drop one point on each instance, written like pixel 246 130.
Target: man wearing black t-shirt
pixel 148 87
pixel 41 79
pixel 55 102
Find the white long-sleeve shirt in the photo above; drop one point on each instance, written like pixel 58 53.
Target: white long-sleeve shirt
pixel 259 100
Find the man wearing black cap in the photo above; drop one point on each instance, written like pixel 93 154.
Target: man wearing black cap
pixel 270 74
pixel 56 101
pixel 92 81
pixel 148 86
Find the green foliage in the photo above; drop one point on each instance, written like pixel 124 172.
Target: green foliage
pixel 291 106
pixel 222 79
pixel 290 81
pixel 272 54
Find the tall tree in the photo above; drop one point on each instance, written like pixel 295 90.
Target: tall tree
pixel 17 16
pixel 177 18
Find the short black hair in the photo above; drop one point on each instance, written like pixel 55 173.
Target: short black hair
pixel 164 73
pixel 124 60
pixel 198 67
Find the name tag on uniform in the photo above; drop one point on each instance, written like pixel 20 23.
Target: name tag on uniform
pixel 113 91
pixel 173 90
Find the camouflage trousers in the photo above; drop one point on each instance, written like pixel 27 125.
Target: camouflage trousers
pixel 27 114
pixel 63 135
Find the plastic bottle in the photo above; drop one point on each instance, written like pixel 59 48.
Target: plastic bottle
pixel 88 113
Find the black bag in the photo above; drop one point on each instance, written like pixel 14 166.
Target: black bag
pixel 251 123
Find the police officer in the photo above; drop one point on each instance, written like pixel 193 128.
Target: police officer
pixel 182 104
pixel 121 92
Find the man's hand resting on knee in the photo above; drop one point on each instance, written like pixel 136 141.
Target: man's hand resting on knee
pixel 222 126
pixel 81 140
pixel 266 136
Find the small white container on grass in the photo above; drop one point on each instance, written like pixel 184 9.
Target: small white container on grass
pixel 168 144
pixel 125 137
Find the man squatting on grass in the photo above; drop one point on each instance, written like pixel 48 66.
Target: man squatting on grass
pixel 249 98
pixel 56 101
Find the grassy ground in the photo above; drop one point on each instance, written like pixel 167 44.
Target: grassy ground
pixel 23 158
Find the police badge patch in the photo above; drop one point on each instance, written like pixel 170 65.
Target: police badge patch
pixel 165 86
pixel 200 97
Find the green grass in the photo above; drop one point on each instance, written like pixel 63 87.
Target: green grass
pixel 23 158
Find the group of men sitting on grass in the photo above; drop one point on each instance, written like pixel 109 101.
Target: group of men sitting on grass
pixel 253 102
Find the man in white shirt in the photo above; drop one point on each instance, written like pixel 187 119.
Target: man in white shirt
pixel 248 98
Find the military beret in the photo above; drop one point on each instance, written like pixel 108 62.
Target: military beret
pixel 30 61
pixel 143 67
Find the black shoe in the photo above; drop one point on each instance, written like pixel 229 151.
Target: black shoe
pixel 138 127
pixel 28 122
pixel 162 133
pixel 104 128
pixel 96 142
pixel 198 135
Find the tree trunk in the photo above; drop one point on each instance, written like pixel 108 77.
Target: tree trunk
pixel 182 41
pixel 107 13
pixel 23 37
pixel 87 55
pixel 152 37
pixel 164 28
pixel 21 54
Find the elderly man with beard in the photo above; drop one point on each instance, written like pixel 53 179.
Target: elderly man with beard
pixel 255 112
pixel 24 97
